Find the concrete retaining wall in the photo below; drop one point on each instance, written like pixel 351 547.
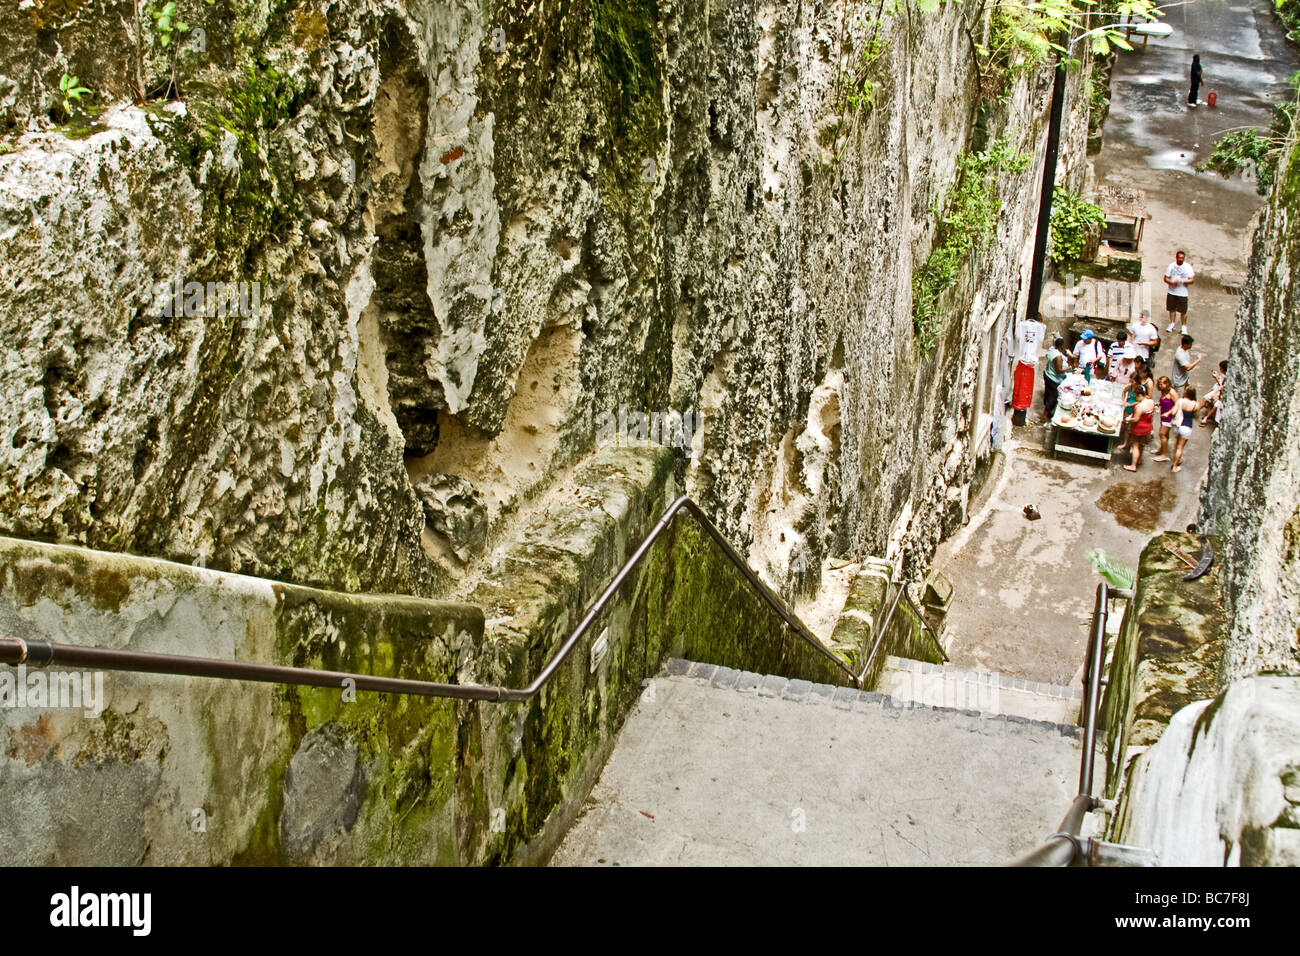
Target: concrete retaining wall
pixel 186 770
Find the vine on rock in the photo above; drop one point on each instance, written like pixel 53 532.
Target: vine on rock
pixel 969 227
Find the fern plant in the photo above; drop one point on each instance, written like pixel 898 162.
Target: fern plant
pixel 969 226
pixel 1116 574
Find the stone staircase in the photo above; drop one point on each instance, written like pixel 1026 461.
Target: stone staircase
pixel 942 685
pixel 723 767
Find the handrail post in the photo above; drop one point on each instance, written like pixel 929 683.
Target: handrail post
pixel 1063 848
pixel 1092 687
pixel 884 627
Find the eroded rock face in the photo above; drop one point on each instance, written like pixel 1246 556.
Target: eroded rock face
pixel 1252 491
pixel 474 232
pixel 454 510
pixel 1220 787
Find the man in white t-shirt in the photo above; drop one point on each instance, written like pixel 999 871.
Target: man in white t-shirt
pixel 1178 276
pixel 1089 354
pixel 1145 336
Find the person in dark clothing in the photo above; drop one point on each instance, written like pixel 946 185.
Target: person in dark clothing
pixel 1196 80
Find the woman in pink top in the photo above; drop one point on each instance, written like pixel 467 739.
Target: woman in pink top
pixel 1168 399
pixel 1124 368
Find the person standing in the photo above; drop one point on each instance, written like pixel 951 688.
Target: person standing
pixel 1028 334
pixel 1123 368
pixel 1184 363
pixel 1116 350
pixel 1132 395
pixel 1053 375
pixel 1196 80
pixel 1089 354
pixel 1143 379
pixel 1178 276
pixel 1169 399
pixel 1140 428
pixel 1146 337
pixel 1188 406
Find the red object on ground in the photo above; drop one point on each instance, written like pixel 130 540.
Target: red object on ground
pixel 1212 98
pixel 1022 392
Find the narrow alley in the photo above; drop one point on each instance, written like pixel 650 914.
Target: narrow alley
pixel 1023 590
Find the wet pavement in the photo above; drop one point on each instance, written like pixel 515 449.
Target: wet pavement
pixel 1024 589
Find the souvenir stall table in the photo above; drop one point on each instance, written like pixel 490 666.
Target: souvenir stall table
pixel 1089 414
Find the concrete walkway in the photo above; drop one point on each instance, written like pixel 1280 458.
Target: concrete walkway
pixel 721 770
pixel 1024 590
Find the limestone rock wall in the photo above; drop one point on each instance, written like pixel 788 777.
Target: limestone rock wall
pixel 121 768
pixel 1252 492
pixel 1222 785
pixel 441 238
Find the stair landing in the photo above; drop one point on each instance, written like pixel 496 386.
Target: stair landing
pixel 720 767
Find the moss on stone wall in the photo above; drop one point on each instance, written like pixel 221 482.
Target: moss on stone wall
pixel 628 36
pixel 1167 653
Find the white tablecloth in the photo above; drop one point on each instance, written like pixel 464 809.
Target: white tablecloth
pixel 1105 398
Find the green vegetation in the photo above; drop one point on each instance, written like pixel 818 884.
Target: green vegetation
pixel 855 89
pixel 627 46
pixel 969 227
pixel 1118 574
pixel 70 91
pixel 246 207
pixel 1254 152
pixel 1097 91
pixel 1289 12
pixel 1247 151
pixel 166 28
pixel 1024 35
pixel 1074 221
pixel 1017 43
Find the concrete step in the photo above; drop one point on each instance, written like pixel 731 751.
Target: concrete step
pixel 941 685
pixel 720 767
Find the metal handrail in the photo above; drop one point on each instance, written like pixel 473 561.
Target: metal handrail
pixel 925 625
pixel 899 594
pixel 16 651
pixel 1065 847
